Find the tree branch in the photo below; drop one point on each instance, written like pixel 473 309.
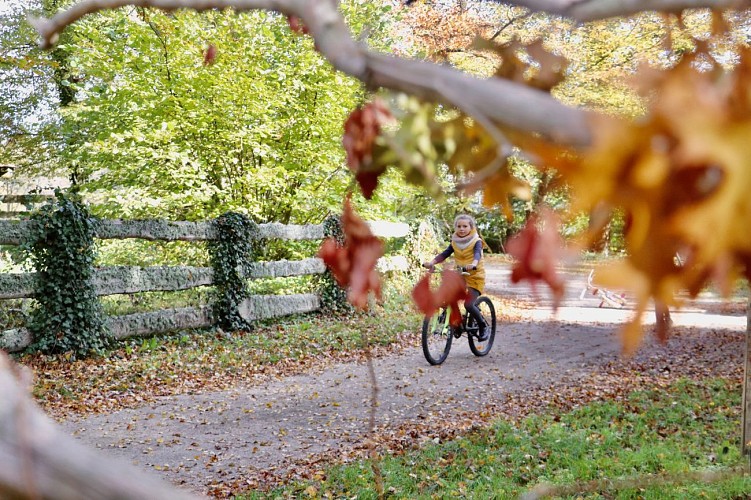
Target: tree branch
pixel 501 101
pixel 592 10
pixel 40 461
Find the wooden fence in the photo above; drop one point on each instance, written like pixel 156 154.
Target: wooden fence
pixel 133 279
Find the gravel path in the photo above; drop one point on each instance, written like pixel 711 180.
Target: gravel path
pixel 238 437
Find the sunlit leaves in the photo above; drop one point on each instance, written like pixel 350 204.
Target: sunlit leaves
pixel 682 175
pixel 159 133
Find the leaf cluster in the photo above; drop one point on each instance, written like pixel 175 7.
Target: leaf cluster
pixel 60 247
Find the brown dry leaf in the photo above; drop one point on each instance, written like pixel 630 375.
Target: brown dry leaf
pixel 451 290
pixel 500 187
pixel 474 150
pixel 512 66
pixel 551 69
pixel 361 129
pixel 537 249
pixel 530 64
pixel 353 265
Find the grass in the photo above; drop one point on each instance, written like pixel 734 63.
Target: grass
pixel 647 446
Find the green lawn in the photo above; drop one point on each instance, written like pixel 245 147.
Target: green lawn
pixel 650 445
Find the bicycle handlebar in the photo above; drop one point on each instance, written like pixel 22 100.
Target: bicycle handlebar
pixel 462 269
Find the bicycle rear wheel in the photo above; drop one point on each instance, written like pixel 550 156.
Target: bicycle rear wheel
pixel 436 337
pixel 477 346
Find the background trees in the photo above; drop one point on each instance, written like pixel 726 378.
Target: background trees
pixel 480 130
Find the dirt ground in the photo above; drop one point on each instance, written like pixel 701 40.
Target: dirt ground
pixel 256 435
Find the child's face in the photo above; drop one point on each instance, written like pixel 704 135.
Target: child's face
pixel 463 228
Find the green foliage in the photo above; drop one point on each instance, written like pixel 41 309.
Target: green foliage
pixel 27 127
pixel 333 297
pixel 231 252
pixel 136 252
pixel 118 305
pixel 154 132
pixel 672 430
pixel 281 286
pixel 60 247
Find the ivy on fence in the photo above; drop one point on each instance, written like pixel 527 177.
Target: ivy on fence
pixel 232 251
pixel 333 297
pixel 68 317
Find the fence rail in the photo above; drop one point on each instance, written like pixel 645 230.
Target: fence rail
pixel 115 280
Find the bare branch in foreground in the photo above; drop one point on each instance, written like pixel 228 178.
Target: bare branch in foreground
pixel 40 461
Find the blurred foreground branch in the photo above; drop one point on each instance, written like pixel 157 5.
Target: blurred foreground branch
pixel 40 461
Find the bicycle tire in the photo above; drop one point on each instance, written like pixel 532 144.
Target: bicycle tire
pixel 482 348
pixel 436 337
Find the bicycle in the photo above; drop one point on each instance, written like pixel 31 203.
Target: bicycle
pixel 438 334
pixel 606 296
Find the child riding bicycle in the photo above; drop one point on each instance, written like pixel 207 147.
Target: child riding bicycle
pixel 466 245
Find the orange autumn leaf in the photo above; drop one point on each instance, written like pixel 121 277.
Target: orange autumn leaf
pixel 537 249
pixel 682 175
pixel 451 290
pixel 353 265
pixel 500 187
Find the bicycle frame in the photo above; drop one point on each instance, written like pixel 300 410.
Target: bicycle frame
pixel 606 296
pixel 437 333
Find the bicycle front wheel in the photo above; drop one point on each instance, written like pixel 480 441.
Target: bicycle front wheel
pixel 477 346
pixel 436 337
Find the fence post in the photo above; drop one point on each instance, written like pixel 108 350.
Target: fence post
pixel 60 245
pixel 231 254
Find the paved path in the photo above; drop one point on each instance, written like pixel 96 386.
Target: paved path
pixel 200 440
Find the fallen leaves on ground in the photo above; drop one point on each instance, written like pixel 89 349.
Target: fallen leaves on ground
pixel 692 353
pixel 194 363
